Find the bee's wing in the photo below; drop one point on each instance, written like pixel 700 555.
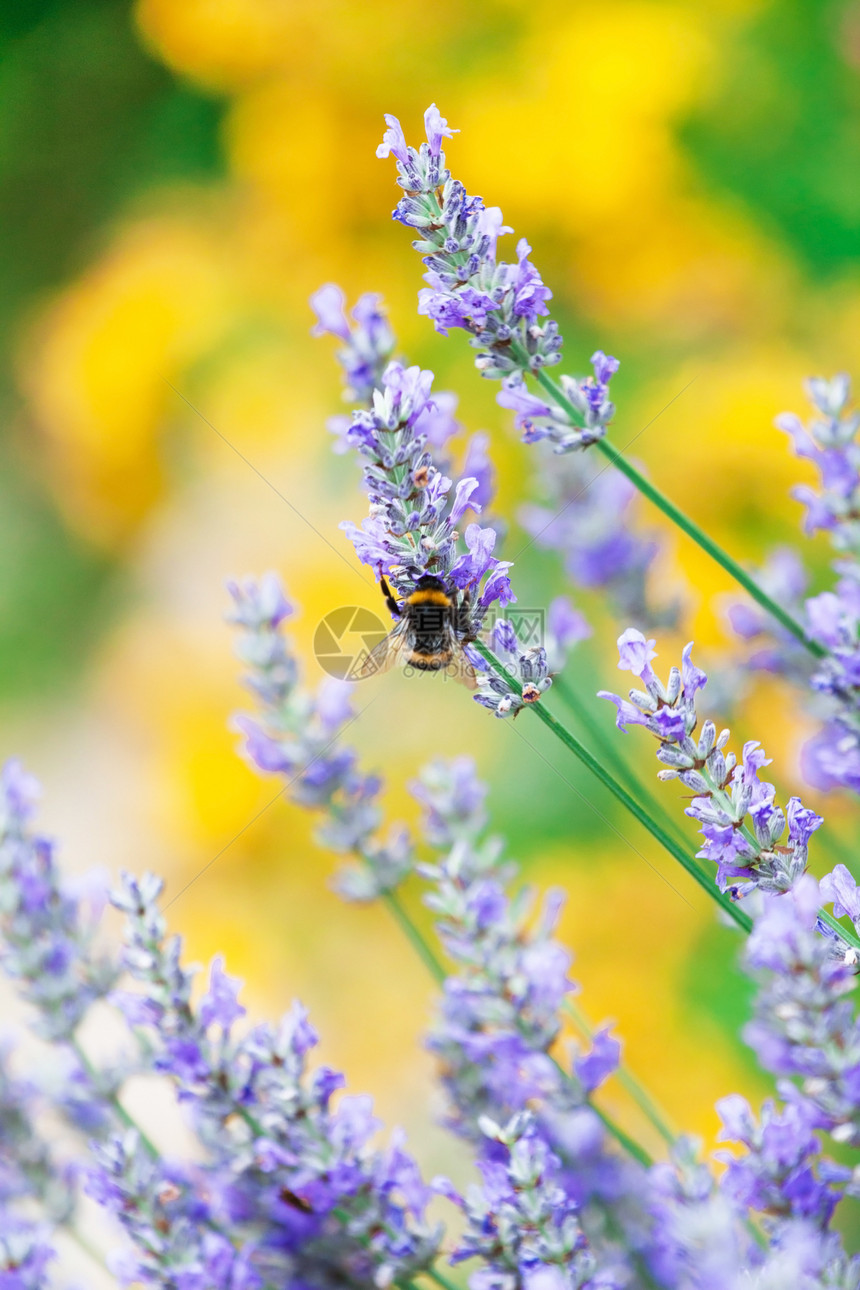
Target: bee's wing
pixel 382 656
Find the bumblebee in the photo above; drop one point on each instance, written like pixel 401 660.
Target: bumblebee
pixel 429 633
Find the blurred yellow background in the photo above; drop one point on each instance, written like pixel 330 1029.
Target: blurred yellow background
pixel 686 175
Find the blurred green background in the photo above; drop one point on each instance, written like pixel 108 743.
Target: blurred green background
pixel 175 179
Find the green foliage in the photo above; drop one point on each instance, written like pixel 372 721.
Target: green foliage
pixel 782 131
pixel 87 121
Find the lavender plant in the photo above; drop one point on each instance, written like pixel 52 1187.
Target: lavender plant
pixel 500 306
pixel 289 1184
pixel 741 825
pixel 829 441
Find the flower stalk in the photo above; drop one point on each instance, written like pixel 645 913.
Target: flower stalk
pixel 609 781
pixel 687 525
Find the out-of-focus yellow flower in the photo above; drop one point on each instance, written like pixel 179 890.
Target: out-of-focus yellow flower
pixel 224 43
pixel 97 371
pixel 617 76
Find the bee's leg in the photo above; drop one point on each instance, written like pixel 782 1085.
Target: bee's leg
pixel 389 599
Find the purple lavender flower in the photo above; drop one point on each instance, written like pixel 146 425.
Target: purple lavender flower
pixel 804 1027
pixel 831 758
pixel 501 306
pixel 172 1228
pixel 601 1061
pixel 298 735
pixel 500 1015
pixel 540 418
pixel 368 344
pixel 498 303
pixel 520 1222
pixel 300 1174
pixel 741 824
pixel 777 1175
pixel 412 531
pixel 528 667
pixel 700 1240
pixel 565 628
pixel 586 518
pixel 25 1254
pixel 784 579
pixel 829 441
pixel 48 930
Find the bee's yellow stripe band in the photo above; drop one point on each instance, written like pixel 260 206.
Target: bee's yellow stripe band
pixel 429 598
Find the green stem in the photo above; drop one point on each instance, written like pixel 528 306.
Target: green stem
pixel 415 937
pixel 629 1144
pixel 610 753
pixel 438 973
pixel 439 1279
pixel 609 781
pixel 128 1120
pixel 688 526
pixel 627 1080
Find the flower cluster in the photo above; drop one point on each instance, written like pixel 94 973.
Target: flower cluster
pixel 804 1026
pixel 829 442
pixel 519 1220
pixel 701 1243
pixel 805 1031
pixel 299 735
pixel 165 1210
pixel 411 531
pixel 741 824
pixel 582 421
pixel 832 757
pixel 498 304
pixel 780 1174
pixel 285 1165
pixel 527 668
pixel 499 1022
pixel 47 927
pixel 368 344
pixel 500 1010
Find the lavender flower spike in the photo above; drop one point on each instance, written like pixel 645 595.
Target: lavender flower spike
pixel 520 1222
pixel 415 510
pixel 741 825
pixel 499 1018
pixel 501 306
pixel 302 1176
pixel 586 517
pixel 830 442
pixel 298 735
pixel 804 1027
pixel 48 929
